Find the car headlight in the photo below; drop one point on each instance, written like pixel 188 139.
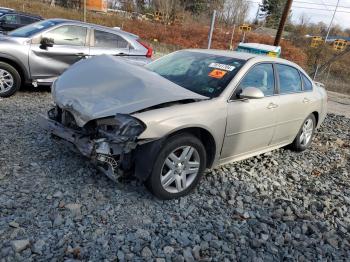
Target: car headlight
pixel 121 125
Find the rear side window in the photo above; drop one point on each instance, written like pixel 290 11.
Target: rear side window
pixel 262 77
pixel 289 78
pixel 307 83
pixel 68 35
pixel 109 40
pixel 25 20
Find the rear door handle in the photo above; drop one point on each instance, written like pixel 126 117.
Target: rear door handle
pixel 306 100
pixel 272 105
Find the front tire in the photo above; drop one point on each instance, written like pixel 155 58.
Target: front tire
pixel 10 80
pixel 178 167
pixel 305 134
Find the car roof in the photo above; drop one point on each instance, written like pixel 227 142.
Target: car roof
pixel 105 28
pixel 243 56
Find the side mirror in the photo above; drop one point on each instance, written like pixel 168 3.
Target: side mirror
pixel 46 42
pixel 251 93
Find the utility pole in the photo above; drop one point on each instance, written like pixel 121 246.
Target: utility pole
pixel 326 38
pixel 211 29
pixel 84 10
pixel 330 24
pixel 283 22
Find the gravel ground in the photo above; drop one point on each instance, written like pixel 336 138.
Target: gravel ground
pixel 279 206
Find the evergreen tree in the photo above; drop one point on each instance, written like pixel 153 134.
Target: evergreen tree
pixel 273 10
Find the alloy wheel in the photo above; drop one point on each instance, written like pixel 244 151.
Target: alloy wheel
pixel 6 81
pixel 306 132
pixel 180 169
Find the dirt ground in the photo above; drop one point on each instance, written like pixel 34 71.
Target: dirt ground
pixel 339 104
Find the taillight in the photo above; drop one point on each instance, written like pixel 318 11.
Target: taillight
pixel 149 49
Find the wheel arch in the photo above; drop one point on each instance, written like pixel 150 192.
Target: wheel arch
pixel 144 162
pixel 205 137
pixel 17 65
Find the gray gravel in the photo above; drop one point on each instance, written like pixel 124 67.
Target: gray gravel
pixel 280 206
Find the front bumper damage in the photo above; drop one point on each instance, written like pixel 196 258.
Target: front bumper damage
pixel 110 151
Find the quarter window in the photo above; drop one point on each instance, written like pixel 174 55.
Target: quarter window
pixel 307 83
pixel 260 76
pixel 109 40
pixel 289 77
pixel 68 35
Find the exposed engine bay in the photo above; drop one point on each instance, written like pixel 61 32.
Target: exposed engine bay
pixel 107 142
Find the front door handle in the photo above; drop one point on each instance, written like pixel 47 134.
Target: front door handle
pixel 272 106
pixel 306 100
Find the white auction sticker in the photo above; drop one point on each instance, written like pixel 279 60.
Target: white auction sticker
pixel 222 66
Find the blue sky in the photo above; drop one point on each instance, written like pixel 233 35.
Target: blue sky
pixel 341 18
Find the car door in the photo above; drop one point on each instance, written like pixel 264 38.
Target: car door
pixel 251 122
pixel 69 46
pixel 9 22
pixel 293 104
pixel 108 43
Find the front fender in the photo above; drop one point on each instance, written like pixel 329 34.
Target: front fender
pixel 145 155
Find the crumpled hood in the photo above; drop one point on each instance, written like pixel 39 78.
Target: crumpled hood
pixel 105 85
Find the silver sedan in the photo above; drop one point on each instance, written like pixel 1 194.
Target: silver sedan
pixel 185 112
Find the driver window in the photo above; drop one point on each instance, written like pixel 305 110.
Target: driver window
pixel 260 76
pixel 68 35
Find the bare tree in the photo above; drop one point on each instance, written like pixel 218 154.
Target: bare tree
pixel 304 20
pixel 234 11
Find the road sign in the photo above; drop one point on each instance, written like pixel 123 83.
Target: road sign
pixel 245 28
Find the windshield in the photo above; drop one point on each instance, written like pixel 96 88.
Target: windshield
pixel 29 30
pixel 204 74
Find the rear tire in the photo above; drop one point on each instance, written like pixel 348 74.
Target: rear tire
pixel 178 167
pixel 10 80
pixel 305 134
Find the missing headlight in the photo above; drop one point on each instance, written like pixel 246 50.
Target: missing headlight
pixel 121 125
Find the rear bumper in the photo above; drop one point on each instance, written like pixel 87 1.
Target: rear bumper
pixel 97 150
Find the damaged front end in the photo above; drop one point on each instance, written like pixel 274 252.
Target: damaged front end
pixel 107 142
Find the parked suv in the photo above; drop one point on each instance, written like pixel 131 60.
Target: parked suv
pixel 40 52
pixel 11 19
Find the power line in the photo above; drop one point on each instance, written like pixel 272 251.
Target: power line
pixel 320 9
pixel 325 5
pixel 309 3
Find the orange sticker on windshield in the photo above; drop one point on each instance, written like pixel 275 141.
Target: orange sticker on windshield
pixel 216 73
